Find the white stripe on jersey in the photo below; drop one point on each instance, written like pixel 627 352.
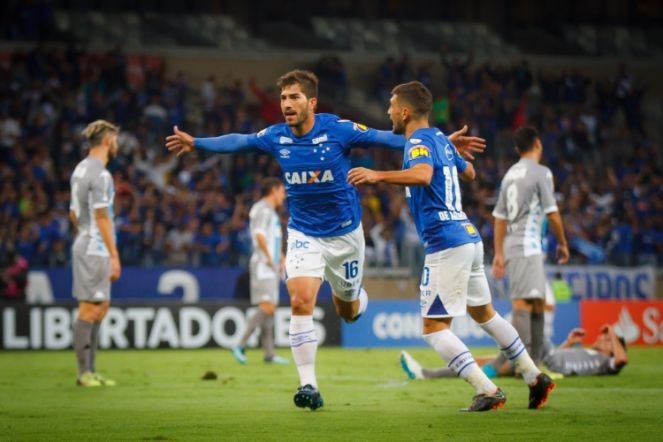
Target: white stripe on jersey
pixel 532 237
pixel 96 246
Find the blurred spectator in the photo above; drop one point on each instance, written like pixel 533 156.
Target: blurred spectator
pixel 332 77
pixel 206 245
pixel 13 277
pixel 192 210
pixel 270 103
pixel 10 130
pixel 179 244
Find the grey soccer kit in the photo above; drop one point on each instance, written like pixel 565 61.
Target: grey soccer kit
pixel 264 219
pixel 526 197
pixel 579 361
pixel 91 188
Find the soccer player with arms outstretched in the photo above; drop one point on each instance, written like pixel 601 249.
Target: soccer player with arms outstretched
pixel 453 279
pixel 325 240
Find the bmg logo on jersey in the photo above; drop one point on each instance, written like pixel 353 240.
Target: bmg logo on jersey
pixel 309 177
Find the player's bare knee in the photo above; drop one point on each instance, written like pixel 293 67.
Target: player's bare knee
pixel 434 325
pixel 346 309
pixel 538 305
pixel 347 313
pixel 481 314
pixel 301 305
pixel 521 304
pixel 102 311
pixel 268 308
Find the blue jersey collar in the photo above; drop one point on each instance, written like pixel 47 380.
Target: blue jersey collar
pixel 307 134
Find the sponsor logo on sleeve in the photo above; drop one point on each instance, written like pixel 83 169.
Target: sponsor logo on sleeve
pixel 360 127
pixel 418 152
pixel 262 132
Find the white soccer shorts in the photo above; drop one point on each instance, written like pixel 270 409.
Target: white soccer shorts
pixel 452 279
pixel 337 259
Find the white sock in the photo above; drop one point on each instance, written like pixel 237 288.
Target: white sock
pixel 304 344
pixel 363 301
pixel 460 360
pixel 512 346
pixel 548 324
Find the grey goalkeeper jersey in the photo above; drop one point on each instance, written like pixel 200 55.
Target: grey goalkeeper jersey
pixel 579 361
pixel 264 219
pixel 526 197
pixel 91 188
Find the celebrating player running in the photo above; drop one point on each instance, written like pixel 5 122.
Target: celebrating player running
pixel 453 278
pixel 325 239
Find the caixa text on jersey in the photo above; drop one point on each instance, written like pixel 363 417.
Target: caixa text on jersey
pixel 309 176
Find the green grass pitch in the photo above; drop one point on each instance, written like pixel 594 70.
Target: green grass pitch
pixel 161 396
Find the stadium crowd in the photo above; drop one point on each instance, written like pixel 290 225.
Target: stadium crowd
pixel 194 210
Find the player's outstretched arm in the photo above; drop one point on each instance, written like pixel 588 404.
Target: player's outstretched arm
pixel 389 140
pixel 181 142
pixel 417 175
pixel 467 146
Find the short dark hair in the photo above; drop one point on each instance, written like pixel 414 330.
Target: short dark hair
pixel 307 80
pixel 525 138
pixel 268 184
pixel 416 96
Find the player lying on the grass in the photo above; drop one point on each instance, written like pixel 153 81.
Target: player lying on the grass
pixel 325 239
pixel 453 281
pixel 607 356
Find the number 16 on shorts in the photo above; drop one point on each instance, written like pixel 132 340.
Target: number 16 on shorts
pixel 351 269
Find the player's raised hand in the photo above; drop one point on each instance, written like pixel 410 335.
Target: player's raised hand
pixel 576 336
pixel 179 142
pixel 465 145
pixel 606 329
pixel 498 267
pixel 361 175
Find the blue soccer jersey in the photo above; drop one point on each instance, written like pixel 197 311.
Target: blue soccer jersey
pixel 315 167
pixel 437 208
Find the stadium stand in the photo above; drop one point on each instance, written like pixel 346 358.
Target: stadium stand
pixel 601 140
